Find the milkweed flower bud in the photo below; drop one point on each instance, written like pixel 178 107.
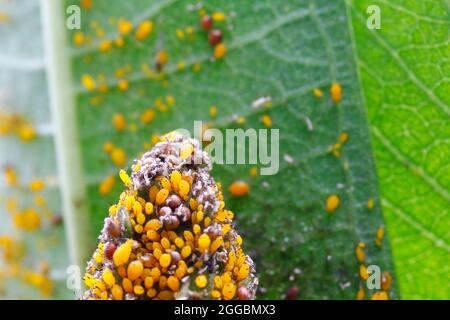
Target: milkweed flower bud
pixel 170 235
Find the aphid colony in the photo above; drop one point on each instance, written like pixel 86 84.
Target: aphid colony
pixel 170 236
pixel 385 280
pixel 16 124
pixel 14 257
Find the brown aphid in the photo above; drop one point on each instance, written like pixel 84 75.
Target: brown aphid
pixel 109 250
pixel 291 293
pixel 243 293
pixel 56 219
pixel 149 260
pixel 112 228
pixel 173 201
pixel 164 211
pixel 171 222
pixel 215 37
pixel 183 213
pixel 386 281
pixel 175 257
pixel 206 22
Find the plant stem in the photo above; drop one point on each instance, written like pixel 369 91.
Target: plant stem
pixel 68 153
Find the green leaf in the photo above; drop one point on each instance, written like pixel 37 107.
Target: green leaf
pixel 23 91
pixel 404 71
pixel 280 49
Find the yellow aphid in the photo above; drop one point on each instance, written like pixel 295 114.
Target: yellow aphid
pixel 147 116
pixel 106 185
pixel 148 208
pixel 119 121
pixel 204 242
pixel 26 132
pixel 201 281
pixel 379 236
pixel 228 291
pixel 108 277
pixel 173 283
pixel 100 32
pixel 4 17
pixel 166 183
pixel 161 196
pixel 189 30
pixel 122 253
pixel 162 57
pixel 175 179
pixel 380 295
pixel 332 203
pixel 95 101
pixel 78 38
pixel 153 224
pixel 318 93
pixel 188 236
pixel 243 272
pixel 213 111
pixel 363 273
pixel 218 282
pixel 183 188
pixel 218 16
pixel 10 176
pixel 27 220
pixel 336 92
pixel 119 42
pixel 138 290
pixel 122 85
pixel 266 121
pixel 220 50
pixel 215 294
pixel 186 252
pixel 137 209
pixel 39 201
pixel 125 178
pixel 361 294
pixel 36 185
pixel 196 229
pixel 179 242
pixel 144 29
pixel 117 292
pixel 105 45
pixel 152 193
pixel 181 65
pixel 253 171
pixel 164 260
pixel 124 27
pixel 155 138
pixel 118 157
pixel 359 251
pixel 197 67
pixel 135 269
pixel 370 203
pixel 127 285
pixel 88 82
pixel 239 188
pixel 180 34
pixel 343 137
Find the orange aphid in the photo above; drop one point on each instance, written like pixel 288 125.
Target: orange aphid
pixel 336 92
pixel 239 188
pixel 119 121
